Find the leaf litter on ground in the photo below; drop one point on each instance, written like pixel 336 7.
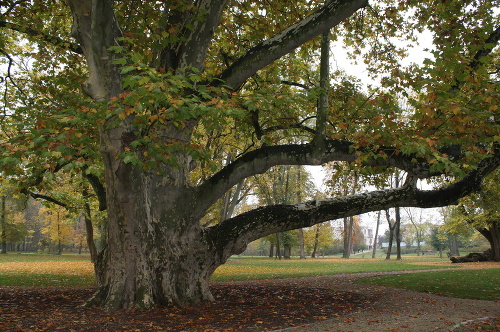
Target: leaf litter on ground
pixel 237 308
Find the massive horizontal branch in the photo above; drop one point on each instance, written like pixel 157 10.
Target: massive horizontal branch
pixel 263 54
pixel 260 160
pixel 242 229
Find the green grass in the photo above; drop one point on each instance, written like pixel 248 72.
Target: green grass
pixel 467 284
pixel 76 270
pixel 46 280
pixel 251 268
pixel 33 257
pixel 46 270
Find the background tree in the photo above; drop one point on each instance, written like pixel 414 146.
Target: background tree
pixel 283 185
pixel 133 100
pixel 417 229
pixel 12 228
pixel 344 182
pixel 58 226
pixel 438 240
pixel 318 238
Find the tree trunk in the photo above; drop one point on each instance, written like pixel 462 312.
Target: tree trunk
pixel 453 245
pixel 419 248
pixel 398 233
pixel 156 252
pixel 375 238
pixel 391 234
pixel 316 242
pixel 89 228
pixel 398 223
pixel 348 228
pixel 271 250
pixel 3 235
pixel 278 246
pixel 287 251
pixel 495 243
pixel 492 234
pixel 302 244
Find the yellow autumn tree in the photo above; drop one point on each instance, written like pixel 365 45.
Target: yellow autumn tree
pixel 58 226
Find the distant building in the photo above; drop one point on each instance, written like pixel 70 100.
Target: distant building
pixel 368 235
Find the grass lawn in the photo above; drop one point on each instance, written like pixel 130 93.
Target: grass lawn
pixel 251 268
pixel 76 270
pixel 46 270
pixel 466 284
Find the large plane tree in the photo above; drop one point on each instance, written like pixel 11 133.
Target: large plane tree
pixel 164 106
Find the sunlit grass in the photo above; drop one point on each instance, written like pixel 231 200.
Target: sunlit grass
pixel 47 274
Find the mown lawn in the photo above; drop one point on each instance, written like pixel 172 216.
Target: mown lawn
pixel 251 268
pixel 46 270
pixel 76 270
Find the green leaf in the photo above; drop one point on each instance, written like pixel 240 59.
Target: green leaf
pixel 120 61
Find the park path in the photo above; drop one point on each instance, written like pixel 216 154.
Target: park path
pixel 393 309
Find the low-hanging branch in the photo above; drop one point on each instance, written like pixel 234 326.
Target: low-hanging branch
pixel 237 232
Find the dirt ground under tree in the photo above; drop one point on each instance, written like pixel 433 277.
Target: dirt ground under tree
pixel 324 303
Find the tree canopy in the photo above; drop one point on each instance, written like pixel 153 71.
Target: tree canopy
pixel 166 106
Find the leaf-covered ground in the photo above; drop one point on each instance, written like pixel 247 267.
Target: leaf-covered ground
pixel 237 308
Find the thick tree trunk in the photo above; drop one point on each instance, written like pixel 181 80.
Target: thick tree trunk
pixel 156 252
pixel 492 234
pixel 495 243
